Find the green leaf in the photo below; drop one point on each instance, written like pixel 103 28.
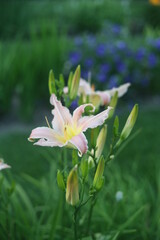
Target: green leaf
pixel 51 83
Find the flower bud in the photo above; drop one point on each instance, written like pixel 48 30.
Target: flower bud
pixel 60 180
pixel 98 178
pixel 74 85
pixel 84 167
pixel 116 127
pixel 113 104
pixel 128 126
pixel 72 191
pixel 101 141
pixel 51 83
pixel 130 122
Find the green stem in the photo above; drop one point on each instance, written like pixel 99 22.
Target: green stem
pixel 75 224
pixel 90 214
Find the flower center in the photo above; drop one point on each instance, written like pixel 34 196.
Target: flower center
pixel 71 131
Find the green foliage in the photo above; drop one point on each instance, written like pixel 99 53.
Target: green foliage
pixel 23 73
pixel 36 206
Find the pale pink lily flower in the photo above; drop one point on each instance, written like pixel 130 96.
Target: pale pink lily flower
pixel 104 96
pixel 3 165
pixel 67 130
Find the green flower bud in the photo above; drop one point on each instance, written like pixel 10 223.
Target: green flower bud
pixel 74 157
pixel 60 180
pixel 51 83
pixel 98 178
pixel 129 125
pixel 101 141
pixel 84 167
pixel 130 122
pixel 116 127
pixel 73 87
pixel 113 104
pixel 72 191
pixel 61 80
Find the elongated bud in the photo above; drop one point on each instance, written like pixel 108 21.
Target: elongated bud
pixel 70 79
pixel 130 122
pixel 129 125
pixel 72 191
pixel 94 135
pixel 113 104
pixel 61 79
pixel 116 127
pixel 84 167
pixel 98 178
pixel 51 83
pixel 101 141
pixel 60 180
pixel 73 87
pixel 74 157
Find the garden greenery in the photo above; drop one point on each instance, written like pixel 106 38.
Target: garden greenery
pixel 82 178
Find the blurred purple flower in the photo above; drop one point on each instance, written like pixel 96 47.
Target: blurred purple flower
pixel 75 57
pixel 121 45
pixel 116 29
pixel 101 77
pixel 105 67
pixel 84 74
pixel 74 104
pixel 152 60
pixel 157 43
pixel 121 67
pixel 140 54
pixel 100 50
pixel 88 63
pixel 113 81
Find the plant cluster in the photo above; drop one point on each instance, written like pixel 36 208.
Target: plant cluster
pixel 111 59
pixel 83 177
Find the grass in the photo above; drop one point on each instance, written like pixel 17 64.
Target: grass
pixel 135 172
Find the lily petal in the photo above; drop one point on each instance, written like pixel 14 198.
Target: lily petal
pixel 47 136
pixel 94 121
pixel 47 143
pixel 80 142
pixel 3 165
pixel 61 114
pixel 84 87
pixel 121 90
pixel 77 114
pixel 105 97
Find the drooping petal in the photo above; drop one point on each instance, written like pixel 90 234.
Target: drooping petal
pixel 93 121
pixel 77 114
pixel 47 136
pixel 80 142
pixel 47 143
pixel 61 114
pixel 3 165
pixel 105 97
pixel 121 90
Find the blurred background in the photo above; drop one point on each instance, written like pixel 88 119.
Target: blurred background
pixel 117 41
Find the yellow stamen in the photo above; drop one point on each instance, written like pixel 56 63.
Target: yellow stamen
pixel 71 131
